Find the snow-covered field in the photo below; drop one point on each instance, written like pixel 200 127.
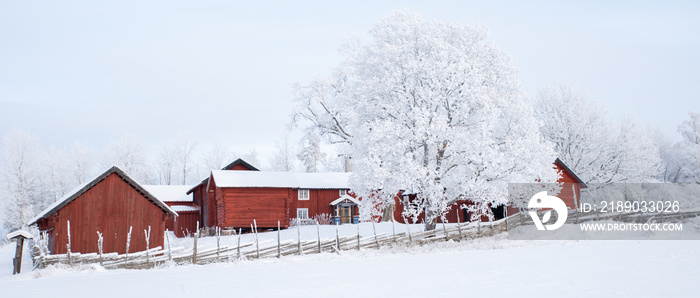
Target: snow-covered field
pixel 489 266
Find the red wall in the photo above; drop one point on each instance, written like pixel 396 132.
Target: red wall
pixel 319 201
pixel 186 223
pixel 111 207
pixel 566 194
pixel 238 207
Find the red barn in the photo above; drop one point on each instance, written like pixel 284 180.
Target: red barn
pixel 570 193
pixel 205 200
pixel 177 197
pixel 110 204
pixel 269 197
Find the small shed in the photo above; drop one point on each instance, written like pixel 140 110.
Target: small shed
pixel 111 204
pixel 180 200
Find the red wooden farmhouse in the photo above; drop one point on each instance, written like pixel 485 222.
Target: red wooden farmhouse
pixel 268 197
pixel 111 204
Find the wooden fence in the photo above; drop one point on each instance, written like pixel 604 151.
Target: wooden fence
pixel 270 248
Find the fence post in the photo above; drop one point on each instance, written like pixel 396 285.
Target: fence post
pixel 444 229
pixel 99 245
pixel 194 249
pixel 337 238
pixel 148 244
pixel 393 229
pixel 217 230
pixel 376 241
pixel 257 243
pixel 279 249
pixel 238 254
pixel 358 236
pixel 408 229
pixel 459 227
pixel 167 239
pixel 70 259
pixel 128 242
pixel 299 239
pixel 318 233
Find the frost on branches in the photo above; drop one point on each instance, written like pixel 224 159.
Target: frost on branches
pixel 431 107
pixel 594 147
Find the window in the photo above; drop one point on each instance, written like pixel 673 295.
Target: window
pixel 302 213
pixel 303 194
pixel 343 192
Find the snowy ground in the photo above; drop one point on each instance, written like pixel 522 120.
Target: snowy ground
pixel 489 266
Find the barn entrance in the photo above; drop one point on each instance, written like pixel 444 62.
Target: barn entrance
pixel 499 212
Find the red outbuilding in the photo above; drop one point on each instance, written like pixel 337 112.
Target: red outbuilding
pixel 570 194
pixel 110 204
pixel 206 201
pixel 177 197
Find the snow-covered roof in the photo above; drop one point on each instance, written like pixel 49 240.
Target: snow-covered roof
pixel 170 193
pixel 76 192
pixel 22 233
pixel 345 197
pixel 184 208
pixel 281 179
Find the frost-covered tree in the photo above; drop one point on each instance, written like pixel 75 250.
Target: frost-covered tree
pixel 689 149
pixel 284 159
pixel 595 148
pixel 252 157
pixel 22 185
pixel 183 154
pixel 311 155
pixel 217 157
pixel 129 154
pixel 433 107
pixel 56 172
pixel 82 159
pixel 165 167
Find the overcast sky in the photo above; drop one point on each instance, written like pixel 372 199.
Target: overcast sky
pixel 92 71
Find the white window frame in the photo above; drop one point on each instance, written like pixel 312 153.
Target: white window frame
pixel 306 210
pixel 303 191
pixel 343 192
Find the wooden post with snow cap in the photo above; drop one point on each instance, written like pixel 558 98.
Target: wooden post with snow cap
pixel 19 236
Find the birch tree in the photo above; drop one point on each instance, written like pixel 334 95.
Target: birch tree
pixel 82 162
pixel 285 158
pixel 183 154
pixel 430 106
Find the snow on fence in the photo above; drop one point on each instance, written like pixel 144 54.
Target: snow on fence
pixel 270 248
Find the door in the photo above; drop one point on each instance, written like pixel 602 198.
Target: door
pixel 345 214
